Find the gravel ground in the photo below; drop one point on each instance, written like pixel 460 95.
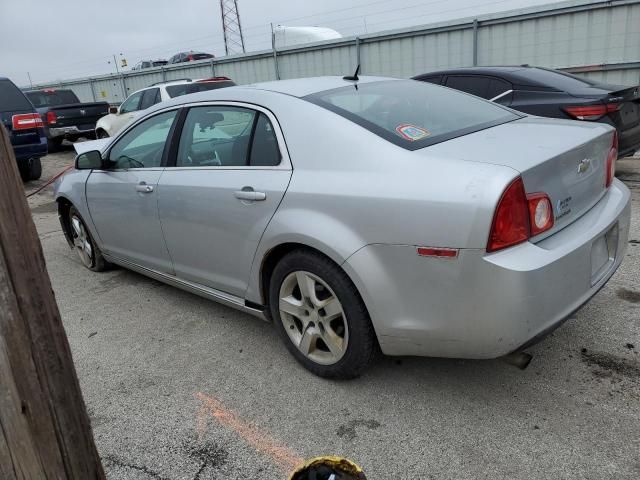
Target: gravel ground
pixel 178 387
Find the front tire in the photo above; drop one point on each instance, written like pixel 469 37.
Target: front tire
pixel 320 316
pixel 84 245
pixel 102 134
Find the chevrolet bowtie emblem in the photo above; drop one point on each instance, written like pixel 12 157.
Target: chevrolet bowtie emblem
pixel 584 165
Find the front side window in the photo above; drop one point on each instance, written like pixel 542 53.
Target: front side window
pixel 216 136
pixel 131 103
pixel 149 98
pixel 143 146
pixel 410 113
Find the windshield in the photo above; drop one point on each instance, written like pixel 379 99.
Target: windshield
pixel 45 98
pixel 410 113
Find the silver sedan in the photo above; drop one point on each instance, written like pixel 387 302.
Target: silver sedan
pixel 359 215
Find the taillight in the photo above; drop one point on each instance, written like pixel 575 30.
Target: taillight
pixel 52 118
pixel 540 213
pixel 25 121
pixel 511 221
pixel 591 112
pixel 190 58
pixel 519 217
pixel 611 160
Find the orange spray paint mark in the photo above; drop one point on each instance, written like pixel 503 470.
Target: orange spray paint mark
pixel 261 441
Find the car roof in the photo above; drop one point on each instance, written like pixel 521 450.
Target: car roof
pixel 301 87
pixel 531 76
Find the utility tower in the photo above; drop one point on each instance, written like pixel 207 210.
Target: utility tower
pixel 233 39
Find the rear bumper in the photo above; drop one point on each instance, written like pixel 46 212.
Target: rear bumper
pixel 70 132
pixel 481 305
pixel 25 152
pixel 629 141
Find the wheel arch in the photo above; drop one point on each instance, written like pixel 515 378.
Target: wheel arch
pixel 64 205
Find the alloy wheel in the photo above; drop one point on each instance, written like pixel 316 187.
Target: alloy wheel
pixel 82 242
pixel 313 317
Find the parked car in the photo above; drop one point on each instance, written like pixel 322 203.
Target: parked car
pixel 64 116
pixel 552 93
pixel 25 129
pixel 190 56
pixel 142 99
pixel 142 64
pixel 397 213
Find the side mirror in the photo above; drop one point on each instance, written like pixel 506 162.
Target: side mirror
pixel 113 109
pixel 91 160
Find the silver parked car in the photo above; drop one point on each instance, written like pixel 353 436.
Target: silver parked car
pixel 359 214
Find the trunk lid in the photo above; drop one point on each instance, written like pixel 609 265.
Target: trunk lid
pixel 564 159
pixel 628 115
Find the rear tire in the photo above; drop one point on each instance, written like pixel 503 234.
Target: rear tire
pixel 102 134
pixel 31 169
pixel 320 315
pixel 84 245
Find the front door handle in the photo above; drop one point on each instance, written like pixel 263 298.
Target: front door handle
pixel 142 187
pixel 249 194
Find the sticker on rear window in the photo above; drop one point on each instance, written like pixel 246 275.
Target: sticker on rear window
pixel 411 132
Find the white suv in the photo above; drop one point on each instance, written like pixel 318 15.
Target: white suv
pixel 140 100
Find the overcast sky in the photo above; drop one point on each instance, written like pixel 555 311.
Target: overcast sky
pixel 74 38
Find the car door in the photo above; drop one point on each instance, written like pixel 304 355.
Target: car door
pixel 122 199
pixel 128 111
pixel 231 171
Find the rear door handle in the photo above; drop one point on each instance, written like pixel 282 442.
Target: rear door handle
pixel 142 187
pixel 250 195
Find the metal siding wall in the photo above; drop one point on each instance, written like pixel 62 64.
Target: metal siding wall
pixel 245 71
pixel 558 40
pixel 82 91
pixel 328 61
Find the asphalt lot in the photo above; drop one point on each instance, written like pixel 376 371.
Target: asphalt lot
pixel 178 387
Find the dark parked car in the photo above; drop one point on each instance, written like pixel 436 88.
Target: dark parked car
pixel 24 125
pixel 551 93
pixel 189 57
pixel 64 116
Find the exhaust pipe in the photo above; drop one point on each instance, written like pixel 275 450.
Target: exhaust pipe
pixel 518 359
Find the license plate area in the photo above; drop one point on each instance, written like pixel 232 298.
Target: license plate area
pixel 603 254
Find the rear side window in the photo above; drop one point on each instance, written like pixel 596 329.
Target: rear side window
pixel 11 98
pixel 51 98
pixel 437 79
pixel 412 114
pixel 186 88
pixel 498 87
pixel 264 149
pixel 473 84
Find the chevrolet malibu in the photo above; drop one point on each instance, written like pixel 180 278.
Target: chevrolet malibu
pixel 359 214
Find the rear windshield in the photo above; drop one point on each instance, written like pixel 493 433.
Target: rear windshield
pixel 555 79
pixel 410 113
pixel 52 98
pixel 186 88
pixel 159 63
pixel 200 56
pixel 11 98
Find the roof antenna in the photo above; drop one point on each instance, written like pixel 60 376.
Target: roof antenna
pixel 353 77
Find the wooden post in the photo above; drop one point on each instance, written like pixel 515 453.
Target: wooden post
pixel 44 426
